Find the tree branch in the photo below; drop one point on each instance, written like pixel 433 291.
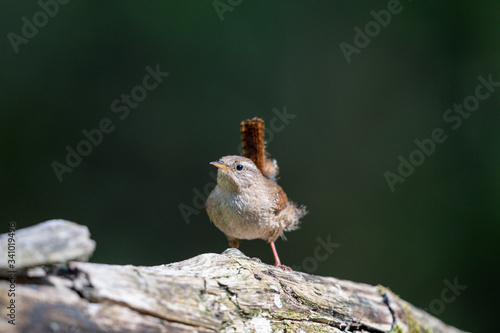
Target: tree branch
pixel 226 292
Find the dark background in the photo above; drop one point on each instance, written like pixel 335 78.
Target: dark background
pixel 352 122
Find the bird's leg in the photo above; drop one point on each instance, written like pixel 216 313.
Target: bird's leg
pixel 233 242
pixel 277 259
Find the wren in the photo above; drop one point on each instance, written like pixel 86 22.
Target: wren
pixel 247 205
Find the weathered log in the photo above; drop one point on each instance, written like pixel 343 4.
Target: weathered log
pixel 51 242
pixel 226 292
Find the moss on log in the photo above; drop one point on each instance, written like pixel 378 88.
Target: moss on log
pixel 226 292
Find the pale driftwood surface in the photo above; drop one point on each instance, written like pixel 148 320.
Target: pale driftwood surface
pixel 51 242
pixel 226 292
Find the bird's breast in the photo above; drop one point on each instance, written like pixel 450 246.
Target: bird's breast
pixel 237 215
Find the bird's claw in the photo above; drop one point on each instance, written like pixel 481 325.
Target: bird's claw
pixel 283 267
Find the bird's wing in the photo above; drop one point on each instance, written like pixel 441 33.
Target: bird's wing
pixel 279 199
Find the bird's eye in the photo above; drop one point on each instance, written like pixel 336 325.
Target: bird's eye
pixel 239 167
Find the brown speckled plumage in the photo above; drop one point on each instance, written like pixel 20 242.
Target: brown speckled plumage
pixel 247 205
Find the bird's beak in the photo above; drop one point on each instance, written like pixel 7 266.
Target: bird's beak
pixel 221 166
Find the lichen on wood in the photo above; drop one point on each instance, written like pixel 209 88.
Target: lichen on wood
pixel 226 292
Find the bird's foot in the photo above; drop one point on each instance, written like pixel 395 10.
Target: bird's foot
pixel 283 267
pixel 278 262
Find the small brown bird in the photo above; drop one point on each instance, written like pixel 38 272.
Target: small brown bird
pixel 247 205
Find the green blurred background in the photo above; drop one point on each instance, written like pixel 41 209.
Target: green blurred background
pixel 352 121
